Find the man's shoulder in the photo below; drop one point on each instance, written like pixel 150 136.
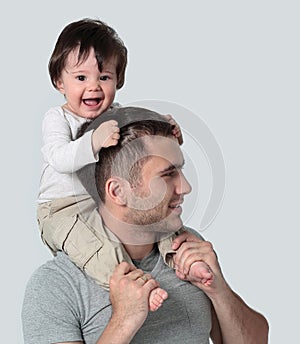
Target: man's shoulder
pixel 58 272
pixel 60 301
pixel 60 262
pixel 193 231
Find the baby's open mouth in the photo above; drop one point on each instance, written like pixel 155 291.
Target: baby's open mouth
pixel 92 101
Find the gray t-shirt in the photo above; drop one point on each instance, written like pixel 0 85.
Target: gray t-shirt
pixel 62 304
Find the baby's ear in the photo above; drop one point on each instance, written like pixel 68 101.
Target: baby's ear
pixel 60 86
pixel 116 190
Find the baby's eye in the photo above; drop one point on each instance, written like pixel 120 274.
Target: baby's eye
pixel 104 77
pixel 81 77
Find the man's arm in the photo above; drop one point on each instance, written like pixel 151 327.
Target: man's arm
pixel 237 322
pixel 115 333
pixel 234 322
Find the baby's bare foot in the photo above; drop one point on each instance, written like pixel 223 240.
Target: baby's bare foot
pixel 200 272
pixel 156 298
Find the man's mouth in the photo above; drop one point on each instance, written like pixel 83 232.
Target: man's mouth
pixel 176 207
pixel 176 204
pixel 92 101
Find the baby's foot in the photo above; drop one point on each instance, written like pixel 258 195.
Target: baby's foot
pixel 156 298
pixel 200 272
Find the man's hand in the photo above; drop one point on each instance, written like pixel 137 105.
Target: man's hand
pixel 234 321
pixel 129 294
pixel 182 237
pixel 191 249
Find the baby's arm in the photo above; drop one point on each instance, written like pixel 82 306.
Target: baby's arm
pixel 60 147
pixel 67 154
pixel 107 134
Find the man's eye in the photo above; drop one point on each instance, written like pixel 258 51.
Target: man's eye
pixel 80 77
pixel 173 173
pixel 169 174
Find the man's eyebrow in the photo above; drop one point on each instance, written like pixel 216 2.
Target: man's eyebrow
pixel 172 167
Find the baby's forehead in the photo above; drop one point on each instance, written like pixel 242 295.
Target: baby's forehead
pixel 76 57
pixel 110 63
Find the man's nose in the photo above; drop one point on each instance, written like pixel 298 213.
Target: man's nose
pixel 184 187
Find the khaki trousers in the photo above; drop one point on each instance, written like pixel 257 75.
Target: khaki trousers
pixel 73 225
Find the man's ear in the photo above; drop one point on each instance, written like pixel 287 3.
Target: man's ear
pixel 116 189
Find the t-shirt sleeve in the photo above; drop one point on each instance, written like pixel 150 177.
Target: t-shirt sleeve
pixel 193 231
pixel 49 314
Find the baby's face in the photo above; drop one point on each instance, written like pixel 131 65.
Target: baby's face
pixel 88 91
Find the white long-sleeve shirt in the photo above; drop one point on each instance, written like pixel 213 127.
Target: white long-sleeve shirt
pixel 63 154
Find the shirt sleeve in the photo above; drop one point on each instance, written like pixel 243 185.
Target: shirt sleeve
pixel 49 313
pixel 59 150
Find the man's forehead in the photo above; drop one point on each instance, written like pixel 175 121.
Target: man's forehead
pixel 164 147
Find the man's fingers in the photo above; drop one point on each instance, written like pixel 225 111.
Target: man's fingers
pixel 190 252
pixel 124 268
pixel 151 284
pixel 185 236
pixel 136 274
pixel 179 240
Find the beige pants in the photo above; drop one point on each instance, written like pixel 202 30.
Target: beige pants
pixel 73 225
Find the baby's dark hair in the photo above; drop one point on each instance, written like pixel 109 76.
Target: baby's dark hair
pixel 86 34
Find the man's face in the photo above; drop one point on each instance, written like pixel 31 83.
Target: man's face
pixel 155 201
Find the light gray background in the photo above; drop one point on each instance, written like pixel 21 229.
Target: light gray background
pixel 234 63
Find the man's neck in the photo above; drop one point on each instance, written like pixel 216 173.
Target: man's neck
pixel 138 252
pixel 137 243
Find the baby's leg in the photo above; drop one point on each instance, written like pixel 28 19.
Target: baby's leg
pixel 200 272
pixel 156 298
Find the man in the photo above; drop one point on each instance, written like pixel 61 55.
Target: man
pixel 141 187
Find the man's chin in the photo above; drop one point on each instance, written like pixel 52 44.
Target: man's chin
pixel 170 224
pixel 167 227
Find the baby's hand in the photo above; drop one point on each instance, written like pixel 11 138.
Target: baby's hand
pixel 106 135
pixel 176 131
